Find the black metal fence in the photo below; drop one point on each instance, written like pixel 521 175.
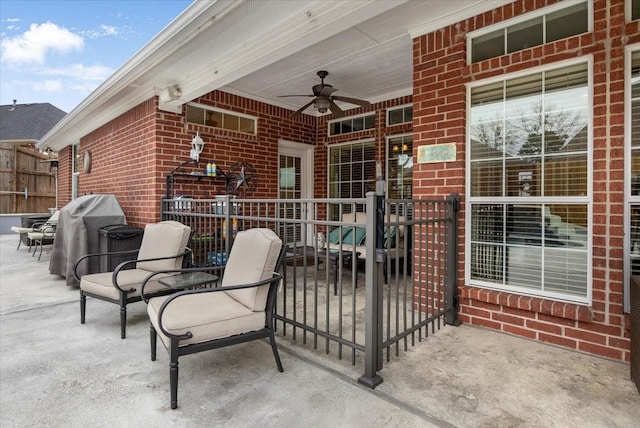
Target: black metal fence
pixel 363 278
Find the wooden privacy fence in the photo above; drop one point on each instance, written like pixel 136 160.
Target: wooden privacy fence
pixel 27 180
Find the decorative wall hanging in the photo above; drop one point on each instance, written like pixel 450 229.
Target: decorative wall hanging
pixel 241 176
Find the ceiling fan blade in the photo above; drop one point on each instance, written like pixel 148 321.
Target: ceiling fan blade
pixel 356 101
pixel 284 96
pixel 301 109
pixel 335 110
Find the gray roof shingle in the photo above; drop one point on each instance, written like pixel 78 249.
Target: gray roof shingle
pixel 28 121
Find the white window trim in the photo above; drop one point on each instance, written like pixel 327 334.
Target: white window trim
pixel 345 118
pixel 628 198
pixel 230 112
pixel 526 17
pixel 390 109
pixel 588 199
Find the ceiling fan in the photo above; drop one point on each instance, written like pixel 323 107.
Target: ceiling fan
pixel 324 100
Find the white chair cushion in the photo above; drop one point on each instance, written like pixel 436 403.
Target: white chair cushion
pixel 207 316
pixel 164 239
pixel 102 285
pixel 21 230
pixel 253 258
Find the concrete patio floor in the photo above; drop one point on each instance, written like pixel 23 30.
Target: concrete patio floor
pixel 56 372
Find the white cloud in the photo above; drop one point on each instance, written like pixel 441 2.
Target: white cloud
pixel 81 72
pixel 34 45
pixel 103 31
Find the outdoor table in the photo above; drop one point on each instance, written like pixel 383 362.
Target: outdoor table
pixel 188 280
pixel 334 257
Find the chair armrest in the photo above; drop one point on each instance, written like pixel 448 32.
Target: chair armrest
pixel 48 231
pixel 121 266
pixel 273 281
pixel 88 256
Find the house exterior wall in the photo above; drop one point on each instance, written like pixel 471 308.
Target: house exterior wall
pixel 132 155
pixel 440 75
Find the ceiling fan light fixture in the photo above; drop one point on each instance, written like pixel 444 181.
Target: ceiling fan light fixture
pixel 322 104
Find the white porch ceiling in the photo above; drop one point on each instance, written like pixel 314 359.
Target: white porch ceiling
pixel 263 49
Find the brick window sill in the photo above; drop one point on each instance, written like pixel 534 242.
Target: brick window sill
pixel 553 308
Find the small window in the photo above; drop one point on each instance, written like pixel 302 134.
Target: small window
pixel 635 9
pixel 352 124
pixel 397 116
pixel 554 23
pixel 216 118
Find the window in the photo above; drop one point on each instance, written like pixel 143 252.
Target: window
pixel 399 115
pixel 550 24
pixel 400 167
pixel 633 9
pixel 352 124
pixel 632 124
pixel 217 118
pixel 528 181
pixel 352 170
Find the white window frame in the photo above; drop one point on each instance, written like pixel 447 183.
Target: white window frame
pixel 228 112
pixel 526 17
pixel 343 119
pixel 392 109
pixel 588 199
pixel 628 198
pixel 386 157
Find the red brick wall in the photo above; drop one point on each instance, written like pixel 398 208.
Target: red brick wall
pixel 440 75
pixel 133 154
pixel 64 176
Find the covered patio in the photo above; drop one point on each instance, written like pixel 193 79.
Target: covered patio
pixel 57 372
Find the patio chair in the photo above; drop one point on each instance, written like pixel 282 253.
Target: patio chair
pixel 44 236
pixel 238 311
pixel 163 247
pixel 49 225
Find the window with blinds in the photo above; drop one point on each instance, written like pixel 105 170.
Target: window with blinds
pixel 528 144
pixel 352 170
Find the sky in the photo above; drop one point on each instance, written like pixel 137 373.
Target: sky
pixel 58 52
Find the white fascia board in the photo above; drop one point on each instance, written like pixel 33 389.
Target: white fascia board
pixel 100 107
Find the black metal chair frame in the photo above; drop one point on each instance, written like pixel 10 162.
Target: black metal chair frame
pixel 125 297
pixel 175 350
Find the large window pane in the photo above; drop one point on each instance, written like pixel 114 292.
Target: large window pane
pixel 486 178
pixel 565 175
pixel 538 149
